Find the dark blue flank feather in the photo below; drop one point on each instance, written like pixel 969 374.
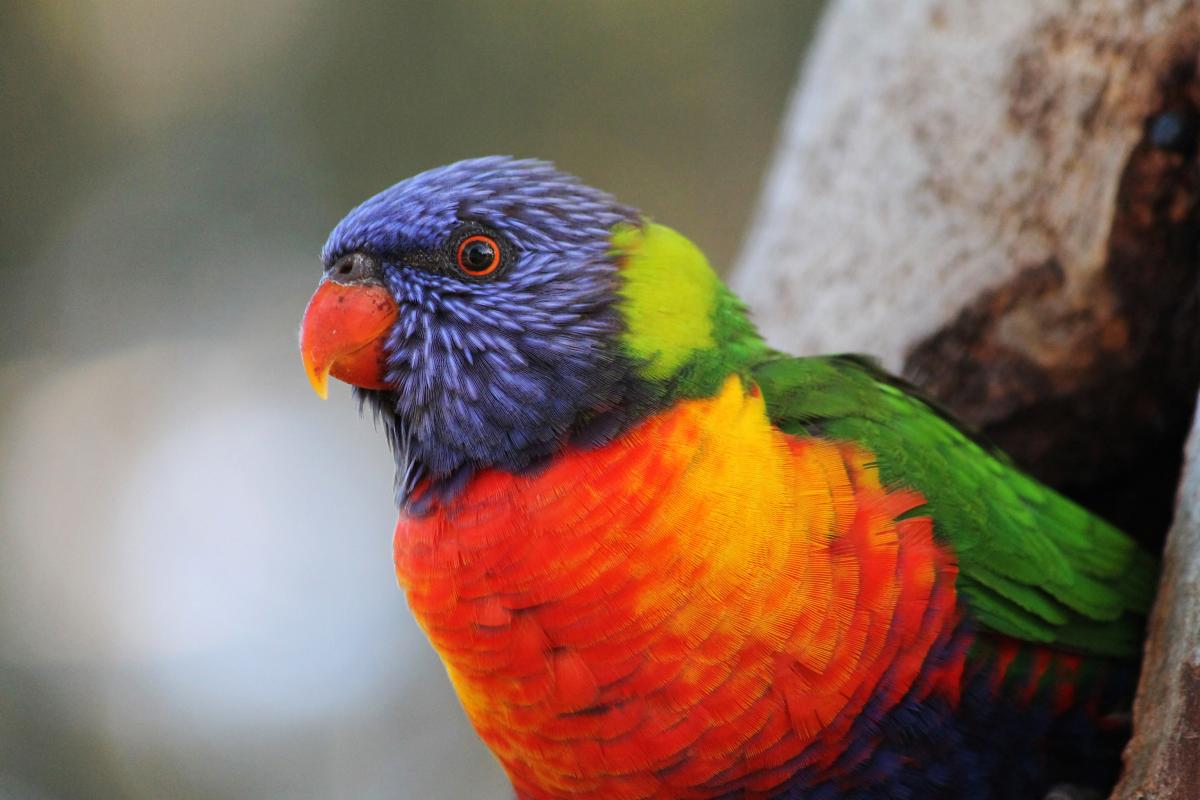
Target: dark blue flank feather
pixel 495 372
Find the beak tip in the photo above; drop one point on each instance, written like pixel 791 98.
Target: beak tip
pixel 319 379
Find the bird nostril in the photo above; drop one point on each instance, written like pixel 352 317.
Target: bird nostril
pixel 353 267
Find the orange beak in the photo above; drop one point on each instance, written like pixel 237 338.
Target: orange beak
pixel 343 333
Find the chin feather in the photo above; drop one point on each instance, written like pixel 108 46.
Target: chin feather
pixel 409 468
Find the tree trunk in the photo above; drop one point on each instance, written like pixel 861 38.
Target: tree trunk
pixel 1163 758
pixel 1002 201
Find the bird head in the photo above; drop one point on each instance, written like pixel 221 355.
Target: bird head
pixel 493 310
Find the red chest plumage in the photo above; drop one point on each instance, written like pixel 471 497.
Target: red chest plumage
pixel 684 610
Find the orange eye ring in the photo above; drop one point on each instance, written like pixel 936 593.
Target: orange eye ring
pixel 475 261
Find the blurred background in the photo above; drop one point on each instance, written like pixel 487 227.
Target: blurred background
pixel 196 594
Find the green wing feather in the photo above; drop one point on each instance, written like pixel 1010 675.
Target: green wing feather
pixel 1032 564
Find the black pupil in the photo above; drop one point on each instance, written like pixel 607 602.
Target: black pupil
pixel 478 255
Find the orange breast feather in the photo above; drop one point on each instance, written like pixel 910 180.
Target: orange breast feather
pixel 706 603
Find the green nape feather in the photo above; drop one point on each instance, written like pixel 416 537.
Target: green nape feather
pixel 1032 564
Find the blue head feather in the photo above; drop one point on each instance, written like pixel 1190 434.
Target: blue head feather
pixel 495 372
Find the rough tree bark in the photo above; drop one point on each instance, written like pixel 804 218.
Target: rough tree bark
pixel 1001 201
pixel 1163 759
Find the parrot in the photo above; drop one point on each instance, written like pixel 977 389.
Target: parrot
pixel 659 558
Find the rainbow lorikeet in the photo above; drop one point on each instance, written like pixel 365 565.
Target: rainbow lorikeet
pixel 661 560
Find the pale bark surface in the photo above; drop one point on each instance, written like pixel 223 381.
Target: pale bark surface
pixel 933 150
pixel 977 193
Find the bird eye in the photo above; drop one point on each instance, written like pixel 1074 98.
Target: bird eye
pixel 478 255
